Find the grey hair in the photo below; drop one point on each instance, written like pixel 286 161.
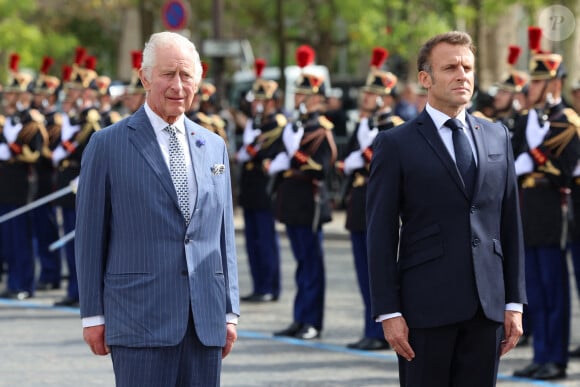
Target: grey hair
pixel 165 38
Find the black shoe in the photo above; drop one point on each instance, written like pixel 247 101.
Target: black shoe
pixel 369 344
pixel 550 371
pixel 15 294
pixel 575 352
pixel 290 331
pixel 257 297
pixel 67 301
pixel 528 370
pixel 307 332
pixel 47 286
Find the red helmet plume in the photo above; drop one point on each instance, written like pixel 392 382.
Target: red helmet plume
pixel 47 62
pixel 379 56
pixel 136 59
pixel 534 37
pixel 514 54
pixel 14 60
pixel 304 55
pixel 259 66
pixel 80 53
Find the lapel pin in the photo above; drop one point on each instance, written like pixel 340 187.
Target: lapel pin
pixel 200 142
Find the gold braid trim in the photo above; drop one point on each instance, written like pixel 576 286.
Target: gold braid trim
pixel 268 138
pixel 557 143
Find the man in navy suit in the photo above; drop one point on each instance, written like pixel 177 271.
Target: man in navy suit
pixel 444 238
pixel 155 245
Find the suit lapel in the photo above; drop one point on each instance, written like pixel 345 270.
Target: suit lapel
pixel 429 131
pixel 198 152
pixel 142 136
pixel 477 131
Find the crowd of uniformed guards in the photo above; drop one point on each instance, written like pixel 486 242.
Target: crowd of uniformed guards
pixel 284 162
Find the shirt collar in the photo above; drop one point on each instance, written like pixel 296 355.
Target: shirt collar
pixel 159 124
pixel 439 118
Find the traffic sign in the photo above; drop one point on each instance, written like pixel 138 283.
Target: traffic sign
pixel 174 14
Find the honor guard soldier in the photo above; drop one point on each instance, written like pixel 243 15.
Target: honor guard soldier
pixel 203 108
pixel 376 115
pixel 301 201
pixel 83 120
pixel 547 150
pixel 507 107
pixel 46 88
pixel 134 96
pixel 21 140
pixel 262 139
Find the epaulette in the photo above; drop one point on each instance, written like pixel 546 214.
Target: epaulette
pixel 281 120
pixel 203 118
pixel 523 112
pixel 325 123
pixel 115 116
pixel 479 114
pixel 396 120
pixel 218 121
pixel 572 117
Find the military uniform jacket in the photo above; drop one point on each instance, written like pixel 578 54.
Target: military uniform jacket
pixel 301 195
pixel 70 167
pixel 25 142
pixel 254 181
pixel 356 195
pixel 554 162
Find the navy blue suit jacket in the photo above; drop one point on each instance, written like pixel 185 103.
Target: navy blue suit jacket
pixel 435 253
pixel 139 264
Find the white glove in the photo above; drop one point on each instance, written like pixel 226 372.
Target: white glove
pixel 353 161
pixel 250 133
pixel 524 164
pixel 280 163
pixel 58 154
pixel 292 139
pixel 5 153
pixel 242 156
pixel 534 132
pixel 365 135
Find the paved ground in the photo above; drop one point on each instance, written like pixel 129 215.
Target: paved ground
pixel 41 345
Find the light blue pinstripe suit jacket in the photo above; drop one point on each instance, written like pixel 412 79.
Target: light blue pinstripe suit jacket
pixel 138 264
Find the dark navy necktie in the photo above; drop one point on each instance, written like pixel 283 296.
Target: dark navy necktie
pixel 463 154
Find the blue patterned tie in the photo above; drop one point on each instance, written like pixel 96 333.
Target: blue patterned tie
pixel 463 154
pixel 178 171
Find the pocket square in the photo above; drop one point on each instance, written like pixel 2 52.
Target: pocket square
pixel 218 169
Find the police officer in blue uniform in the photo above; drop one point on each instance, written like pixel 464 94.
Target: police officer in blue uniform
pixel 375 114
pixel 262 139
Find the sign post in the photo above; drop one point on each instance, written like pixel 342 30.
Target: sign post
pixel 175 15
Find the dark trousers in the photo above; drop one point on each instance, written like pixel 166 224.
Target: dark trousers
pixel 373 329
pixel 310 281
pixel 263 251
pixel 548 291
pixel 45 232
pixel 188 364
pixel 456 355
pixel 16 243
pixel 69 219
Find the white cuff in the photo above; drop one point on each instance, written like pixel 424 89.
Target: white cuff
pixel 93 321
pixel 383 317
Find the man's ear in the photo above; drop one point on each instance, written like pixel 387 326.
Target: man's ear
pixel 424 79
pixel 144 80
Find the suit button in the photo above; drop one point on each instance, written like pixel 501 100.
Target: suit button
pixel 473 209
pixel 475 242
pixel 184 273
pixel 187 240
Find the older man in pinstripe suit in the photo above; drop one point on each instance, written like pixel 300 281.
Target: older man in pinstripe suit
pixel 155 245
